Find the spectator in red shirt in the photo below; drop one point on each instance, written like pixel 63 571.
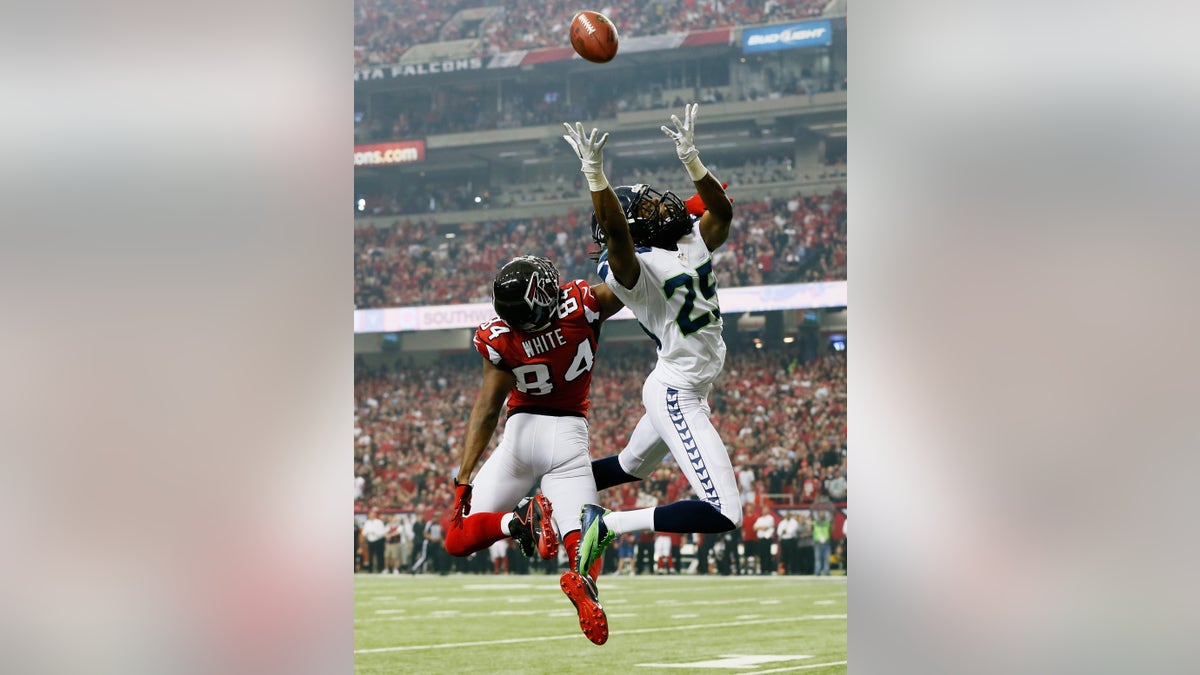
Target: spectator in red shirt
pixel 810 489
pixel 750 540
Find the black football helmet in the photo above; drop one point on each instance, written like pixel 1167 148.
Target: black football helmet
pixel 525 293
pixel 655 218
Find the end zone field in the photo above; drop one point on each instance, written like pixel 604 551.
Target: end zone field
pixel 657 624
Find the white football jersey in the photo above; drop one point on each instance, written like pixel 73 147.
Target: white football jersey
pixel 675 301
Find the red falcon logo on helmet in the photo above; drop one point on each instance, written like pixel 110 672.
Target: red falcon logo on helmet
pixel 535 294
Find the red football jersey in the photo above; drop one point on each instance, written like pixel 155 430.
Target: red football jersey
pixel 553 367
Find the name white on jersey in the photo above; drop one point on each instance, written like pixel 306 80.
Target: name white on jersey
pixel 544 342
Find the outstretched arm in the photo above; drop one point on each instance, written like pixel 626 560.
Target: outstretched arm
pixel 621 258
pixel 590 151
pixel 718 210
pixel 609 302
pixel 484 416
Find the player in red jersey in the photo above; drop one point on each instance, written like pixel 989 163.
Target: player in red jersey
pixel 538 352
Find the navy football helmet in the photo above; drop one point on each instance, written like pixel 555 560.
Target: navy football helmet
pixel 525 293
pixel 655 218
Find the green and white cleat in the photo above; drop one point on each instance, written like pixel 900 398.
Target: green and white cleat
pixel 596 536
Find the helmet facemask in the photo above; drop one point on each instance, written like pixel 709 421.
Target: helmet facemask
pixel 655 218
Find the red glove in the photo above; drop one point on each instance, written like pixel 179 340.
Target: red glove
pixel 695 205
pixel 462 503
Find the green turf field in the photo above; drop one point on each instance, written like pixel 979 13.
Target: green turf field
pixel 658 624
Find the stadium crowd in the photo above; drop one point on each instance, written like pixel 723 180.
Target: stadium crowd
pixel 385 29
pixel 784 422
pixel 772 241
pixel 436 195
pixel 755 171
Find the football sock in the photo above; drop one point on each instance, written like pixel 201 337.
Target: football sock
pixel 478 532
pixel 608 472
pixel 630 521
pixel 571 543
pixel 691 515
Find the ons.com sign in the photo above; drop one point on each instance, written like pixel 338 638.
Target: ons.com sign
pixel 385 154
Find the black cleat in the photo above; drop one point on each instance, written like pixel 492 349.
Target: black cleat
pixel 532 528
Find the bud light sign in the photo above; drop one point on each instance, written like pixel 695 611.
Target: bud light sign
pixel 790 36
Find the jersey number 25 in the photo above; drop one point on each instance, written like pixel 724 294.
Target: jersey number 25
pixel 709 311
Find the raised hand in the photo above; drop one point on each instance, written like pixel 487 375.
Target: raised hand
pixel 589 149
pixel 684 133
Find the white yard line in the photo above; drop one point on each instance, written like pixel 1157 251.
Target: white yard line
pixel 634 631
pixel 805 667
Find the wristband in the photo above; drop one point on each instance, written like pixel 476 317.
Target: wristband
pixel 596 181
pixel 695 168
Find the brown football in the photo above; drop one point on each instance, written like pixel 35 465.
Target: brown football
pixel 594 36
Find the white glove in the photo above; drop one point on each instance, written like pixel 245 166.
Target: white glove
pixel 684 136
pixel 590 151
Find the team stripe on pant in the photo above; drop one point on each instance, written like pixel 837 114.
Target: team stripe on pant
pixel 689 446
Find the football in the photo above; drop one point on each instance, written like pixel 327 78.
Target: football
pixel 594 36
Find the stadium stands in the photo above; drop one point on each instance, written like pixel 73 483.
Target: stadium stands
pixel 436 195
pixel 385 29
pixel 414 263
pixel 423 116
pixel 432 230
pixel 783 419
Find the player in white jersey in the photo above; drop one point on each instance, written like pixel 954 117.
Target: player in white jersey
pixel 657 259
